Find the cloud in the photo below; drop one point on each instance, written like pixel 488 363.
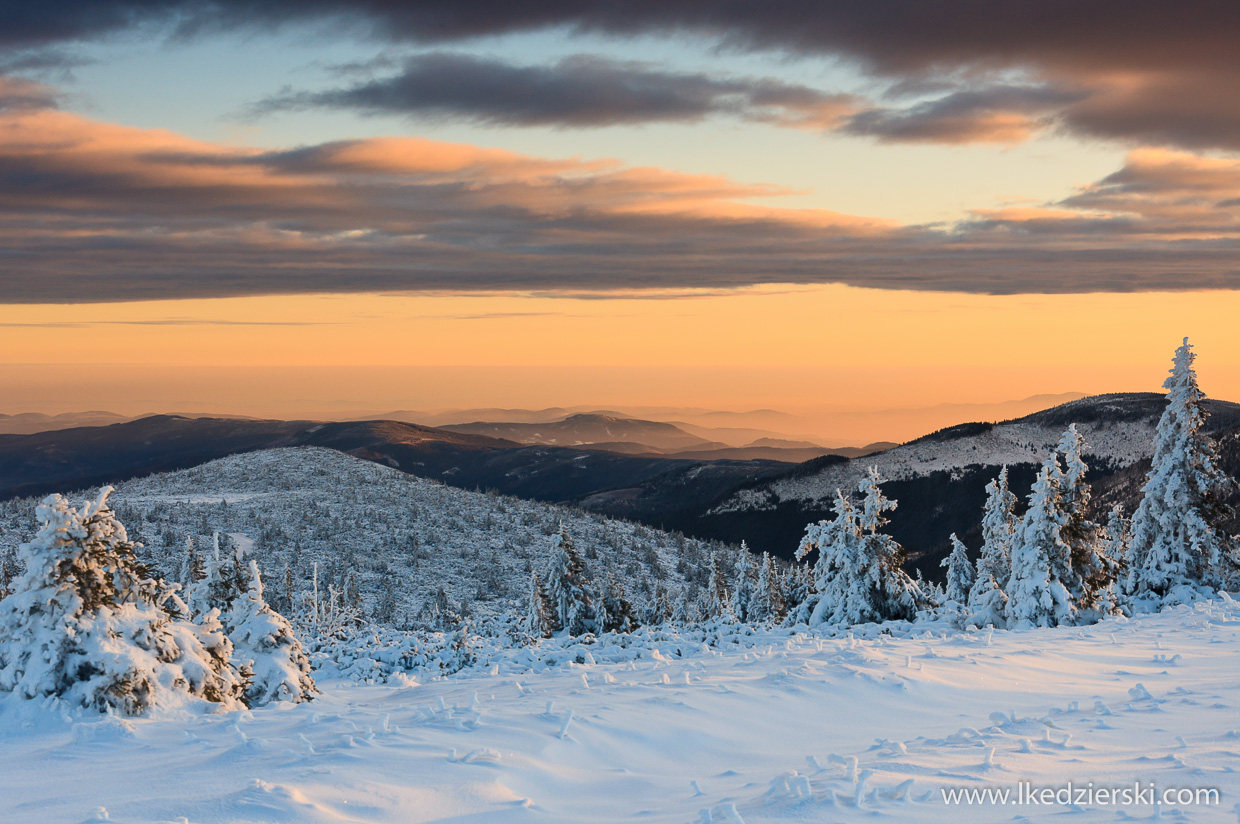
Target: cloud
pixel 17 93
pixel 94 212
pixel 578 91
pixel 1140 71
pixel 993 114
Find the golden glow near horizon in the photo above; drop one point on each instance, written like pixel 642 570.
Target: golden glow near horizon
pixel 792 347
pixel 777 325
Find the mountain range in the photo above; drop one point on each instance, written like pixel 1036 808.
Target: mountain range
pixel 676 480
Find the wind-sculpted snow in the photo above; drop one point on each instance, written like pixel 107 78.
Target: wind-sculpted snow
pixel 402 537
pixel 1120 443
pixel 748 726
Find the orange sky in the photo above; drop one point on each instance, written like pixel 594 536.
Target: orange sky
pixel 796 348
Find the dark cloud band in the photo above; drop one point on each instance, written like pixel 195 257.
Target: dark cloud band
pixel 578 91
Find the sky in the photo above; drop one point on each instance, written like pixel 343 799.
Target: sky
pixel 303 209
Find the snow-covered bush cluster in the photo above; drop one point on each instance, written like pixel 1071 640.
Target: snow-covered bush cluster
pixel 86 623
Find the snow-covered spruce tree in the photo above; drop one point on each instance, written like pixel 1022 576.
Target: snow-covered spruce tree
pixel 575 602
pixel 685 613
pixel 1113 550
pixel 987 599
pixel 959 574
pixel 744 585
pixel 768 603
pixel 539 617
pixel 618 610
pixel 716 600
pixel 8 571
pixel 192 568
pixel 894 594
pixel 859 576
pixel 86 624
pixel 223 580
pixel 265 647
pixel 1038 591
pixel 1177 548
pixel 798 586
pixel 659 611
pixel 835 540
pixel 1092 573
pixel 264 642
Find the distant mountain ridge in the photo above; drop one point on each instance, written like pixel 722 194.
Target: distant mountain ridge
pixel 727 494
pixel 588 428
pixel 939 478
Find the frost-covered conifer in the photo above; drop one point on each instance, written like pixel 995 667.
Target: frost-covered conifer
pixel 620 616
pixel 959 573
pixel 192 568
pixel 859 576
pixel 685 612
pixel 660 610
pixel 768 602
pixel 8 571
pixel 894 594
pixel 744 586
pixel 1092 572
pixel 265 644
pixel 224 579
pixel 1177 545
pixel 987 599
pixel 798 586
pixel 575 602
pixel 836 542
pixel 716 600
pixel 352 595
pixel 86 624
pixel 1113 552
pixel 539 617
pixel 1037 593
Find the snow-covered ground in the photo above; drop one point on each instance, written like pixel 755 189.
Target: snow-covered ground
pixel 784 727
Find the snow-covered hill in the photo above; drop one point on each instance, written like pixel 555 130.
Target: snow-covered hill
pixel 780 727
pixel 400 536
pixel 1118 429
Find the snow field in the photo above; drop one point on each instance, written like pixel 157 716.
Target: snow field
pixel 772 727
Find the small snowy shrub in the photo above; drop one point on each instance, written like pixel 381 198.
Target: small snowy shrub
pixel 86 624
pixel 263 640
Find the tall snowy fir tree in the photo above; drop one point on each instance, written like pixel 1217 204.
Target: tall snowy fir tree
pixel 716 599
pixel 837 564
pixel 987 598
pixel 85 623
pixel 1092 573
pixel 539 617
pixel 575 602
pixel 8 571
pixel 959 573
pixel 192 567
pixel 893 593
pixel 659 610
pixel 1107 599
pixel 1177 546
pixel 617 609
pixel 1038 594
pixel 744 584
pixel 859 576
pixel 768 602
